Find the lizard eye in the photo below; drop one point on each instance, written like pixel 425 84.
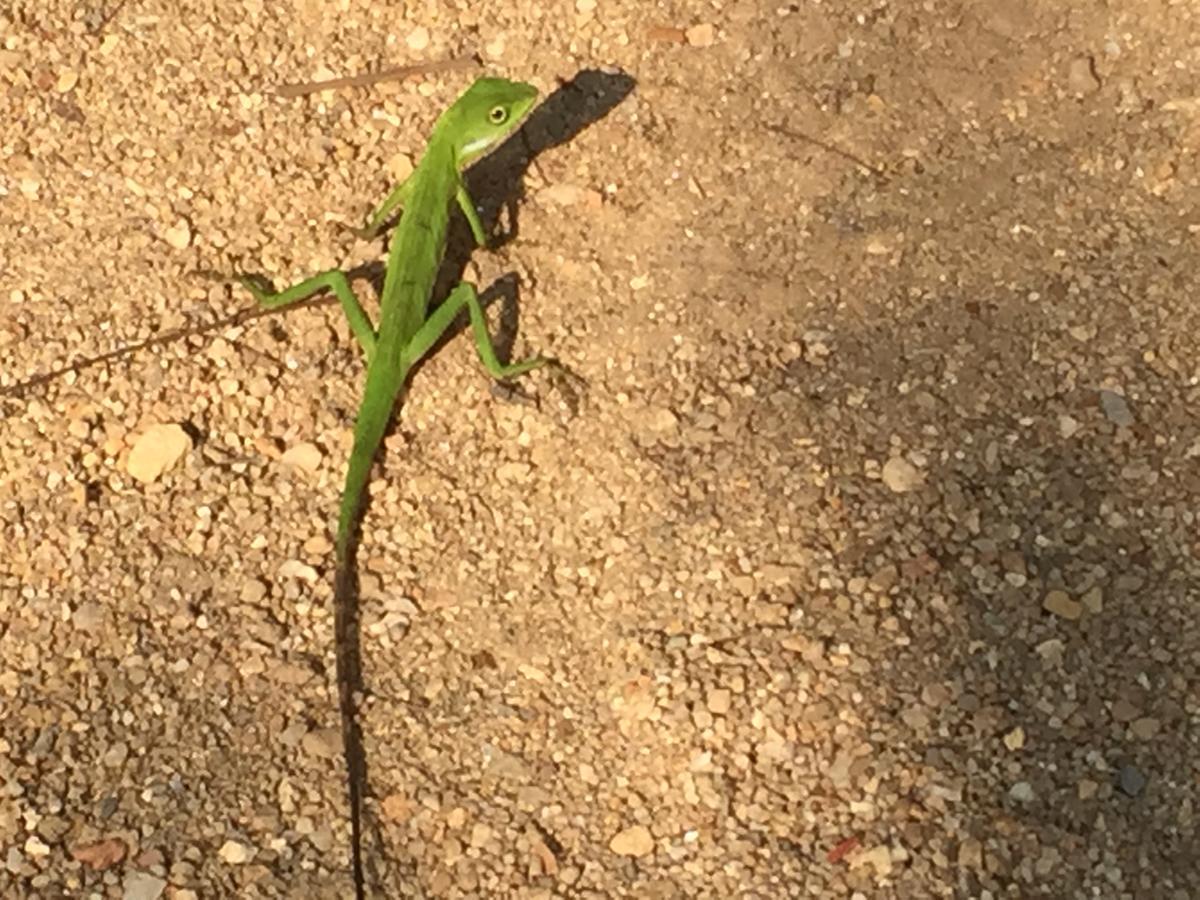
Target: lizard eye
pixel 497 115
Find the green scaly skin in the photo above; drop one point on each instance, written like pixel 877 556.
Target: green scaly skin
pixel 479 121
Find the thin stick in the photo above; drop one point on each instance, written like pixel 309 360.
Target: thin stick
pixel 367 78
pixel 829 148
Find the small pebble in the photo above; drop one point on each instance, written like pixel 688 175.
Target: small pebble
pixel 178 235
pixel 1144 728
pixel 901 476
pixel 1060 604
pixel 294 568
pixel 970 854
pixel 718 701
pixel 494 49
pixel 67 79
pixel 235 853
pixel 324 743
pixel 304 456
pixel 633 841
pixel 1130 780
pixel 1081 76
pixel 399 166
pixel 702 35
pixel 398 808
pixel 156 450
pixel 418 38
pixel 878 858
pixel 1022 792
pixel 1051 651
pixel 658 422
pixel 1116 409
pixel 1015 739
pixel 664 34
pixel 88 616
pixel 142 886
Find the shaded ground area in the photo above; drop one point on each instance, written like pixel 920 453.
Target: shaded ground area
pixel 866 564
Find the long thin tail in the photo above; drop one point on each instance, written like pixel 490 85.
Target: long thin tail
pixel 382 385
pixel 349 678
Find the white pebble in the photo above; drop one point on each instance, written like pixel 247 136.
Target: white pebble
pixel 418 38
pixel 156 450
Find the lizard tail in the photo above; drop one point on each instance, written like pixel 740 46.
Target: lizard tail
pixel 373 416
pixel 349 677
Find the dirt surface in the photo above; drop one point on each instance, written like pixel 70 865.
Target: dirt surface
pixel 864 566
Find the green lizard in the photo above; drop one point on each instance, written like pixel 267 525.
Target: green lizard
pixel 479 121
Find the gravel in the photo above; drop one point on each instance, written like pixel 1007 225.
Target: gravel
pixel 861 562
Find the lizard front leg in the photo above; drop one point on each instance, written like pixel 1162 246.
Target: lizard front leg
pixel 439 320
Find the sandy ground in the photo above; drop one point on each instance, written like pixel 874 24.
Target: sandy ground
pixel 865 564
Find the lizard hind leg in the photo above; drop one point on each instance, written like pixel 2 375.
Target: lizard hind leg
pixel 334 280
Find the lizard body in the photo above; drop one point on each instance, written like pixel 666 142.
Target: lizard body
pixel 479 121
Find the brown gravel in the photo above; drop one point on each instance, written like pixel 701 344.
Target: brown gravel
pixel 865 565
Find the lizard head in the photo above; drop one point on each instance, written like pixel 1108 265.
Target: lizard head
pixel 488 112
